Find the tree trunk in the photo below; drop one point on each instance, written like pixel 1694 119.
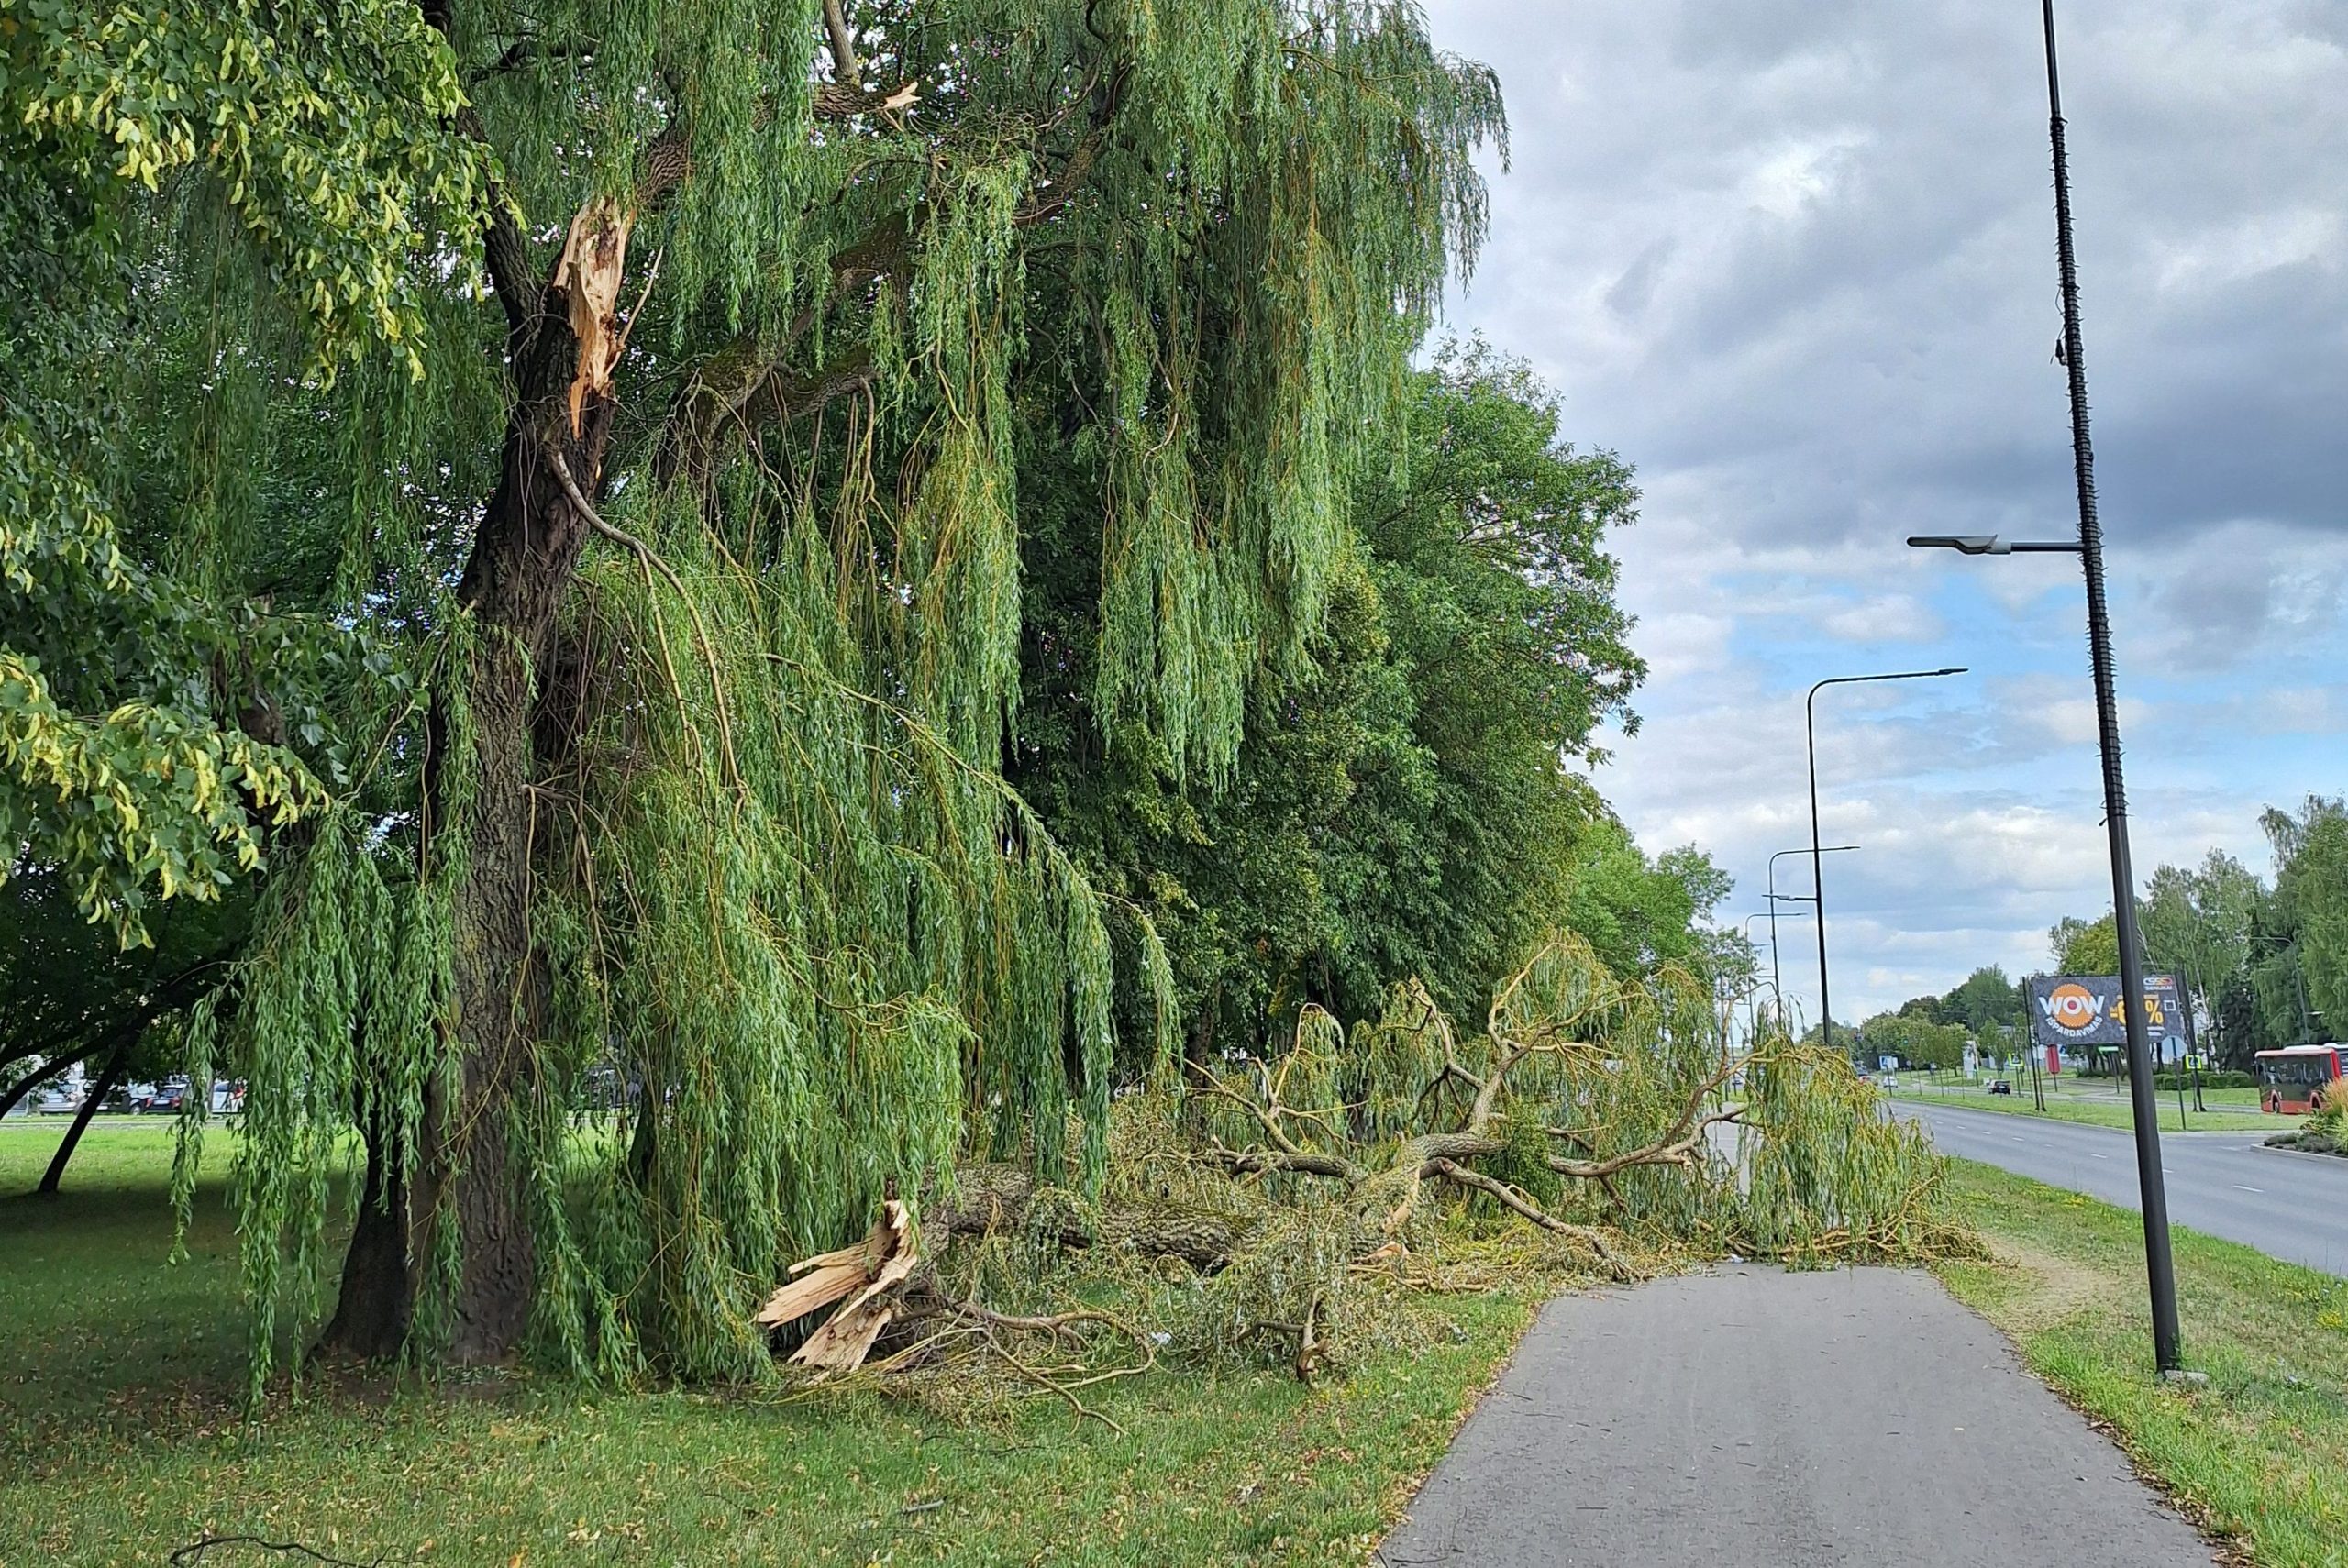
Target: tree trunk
pixel 377 1304
pixel 523 560
pixel 98 1092
pixel 46 1071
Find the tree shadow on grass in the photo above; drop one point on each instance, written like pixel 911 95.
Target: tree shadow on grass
pixel 109 1337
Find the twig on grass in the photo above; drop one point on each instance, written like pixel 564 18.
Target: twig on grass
pixel 194 1551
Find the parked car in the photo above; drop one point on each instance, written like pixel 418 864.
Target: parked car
pixel 170 1097
pixel 58 1102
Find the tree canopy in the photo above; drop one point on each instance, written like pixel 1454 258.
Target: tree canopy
pixel 2268 961
pixel 1401 803
pixel 846 567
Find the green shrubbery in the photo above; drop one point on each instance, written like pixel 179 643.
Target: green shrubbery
pixel 2324 1133
pixel 2170 1080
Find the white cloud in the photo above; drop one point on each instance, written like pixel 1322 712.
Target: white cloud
pixel 2236 250
pixel 1794 260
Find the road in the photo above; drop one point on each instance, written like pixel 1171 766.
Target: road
pixel 1770 1420
pixel 2289 1206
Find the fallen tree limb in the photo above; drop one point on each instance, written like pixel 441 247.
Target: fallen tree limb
pixel 1516 1202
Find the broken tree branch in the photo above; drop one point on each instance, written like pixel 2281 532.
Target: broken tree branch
pixel 1516 1202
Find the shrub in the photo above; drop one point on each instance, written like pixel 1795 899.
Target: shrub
pixel 2225 1079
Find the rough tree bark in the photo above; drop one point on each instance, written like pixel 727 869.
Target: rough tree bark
pixel 524 558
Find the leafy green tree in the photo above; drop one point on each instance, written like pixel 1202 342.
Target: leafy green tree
pixel 76 996
pixel 2301 982
pixel 2200 924
pixel 2085 946
pixel 1985 1001
pixel 1915 1038
pixel 660 516
pixel 1401 805
pixel 1640 911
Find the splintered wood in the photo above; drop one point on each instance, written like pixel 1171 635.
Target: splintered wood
pixel 594 255
pixel 861 1277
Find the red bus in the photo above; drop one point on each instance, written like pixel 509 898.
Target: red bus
pixel 2298 1078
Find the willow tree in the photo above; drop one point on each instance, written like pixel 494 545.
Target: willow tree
pixel 635 385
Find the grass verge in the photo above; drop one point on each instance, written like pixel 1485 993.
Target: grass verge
pixel 2097 1109
pixel 2260 1452
pixel 121 1440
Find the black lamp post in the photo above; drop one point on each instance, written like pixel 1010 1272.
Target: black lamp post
pixel 2160 1267
pixel 1776 898
pixel 1817 854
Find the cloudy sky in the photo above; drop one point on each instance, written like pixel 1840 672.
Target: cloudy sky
pixel 1794 260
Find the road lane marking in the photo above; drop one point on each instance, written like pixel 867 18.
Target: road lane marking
pixel 2260 1190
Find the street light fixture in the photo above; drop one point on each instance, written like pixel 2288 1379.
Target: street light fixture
pixel 2159 1266
pixel 1990 545
pixel 1817 853
pixel 1777 898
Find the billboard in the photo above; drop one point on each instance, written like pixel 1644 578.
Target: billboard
pixel 2083 1012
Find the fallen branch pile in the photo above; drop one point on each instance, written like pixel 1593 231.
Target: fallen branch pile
pixel 1267 1207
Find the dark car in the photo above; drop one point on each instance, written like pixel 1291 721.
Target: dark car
pixel 170 1097
pixel 2001 1086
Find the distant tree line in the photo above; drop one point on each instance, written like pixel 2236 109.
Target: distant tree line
pixel 2266 961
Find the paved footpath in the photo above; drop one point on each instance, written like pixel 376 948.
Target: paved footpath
pixel 1752 1417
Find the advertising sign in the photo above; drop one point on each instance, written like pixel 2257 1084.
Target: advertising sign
pixel 2083 1012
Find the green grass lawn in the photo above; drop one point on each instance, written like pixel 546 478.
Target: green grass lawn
pixel 2260 1452
pixel 2231 1111
pixel 121 1437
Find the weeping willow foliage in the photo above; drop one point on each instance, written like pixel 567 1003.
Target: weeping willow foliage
pixel 832 949
pixel 1798 1161
pixel 778 898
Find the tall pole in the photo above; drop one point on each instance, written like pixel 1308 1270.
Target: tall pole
pixel 1818 854
pixel 2030 1052
pixel 2160 1267
pixel 1817 871
pixel 1756 914
pixel 1776 898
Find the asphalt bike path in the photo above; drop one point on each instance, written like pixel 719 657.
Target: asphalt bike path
pixel 2289 1206
pixel 1757 1418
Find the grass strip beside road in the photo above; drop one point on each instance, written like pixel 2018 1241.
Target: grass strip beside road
pixel 121 1438
pixel 2097 1109
pixel 2260 1452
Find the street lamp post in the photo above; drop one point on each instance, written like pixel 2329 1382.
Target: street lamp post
pixel 2159 1266
pixel 1817 853
pixel 1776 898
pixel 1754 1028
